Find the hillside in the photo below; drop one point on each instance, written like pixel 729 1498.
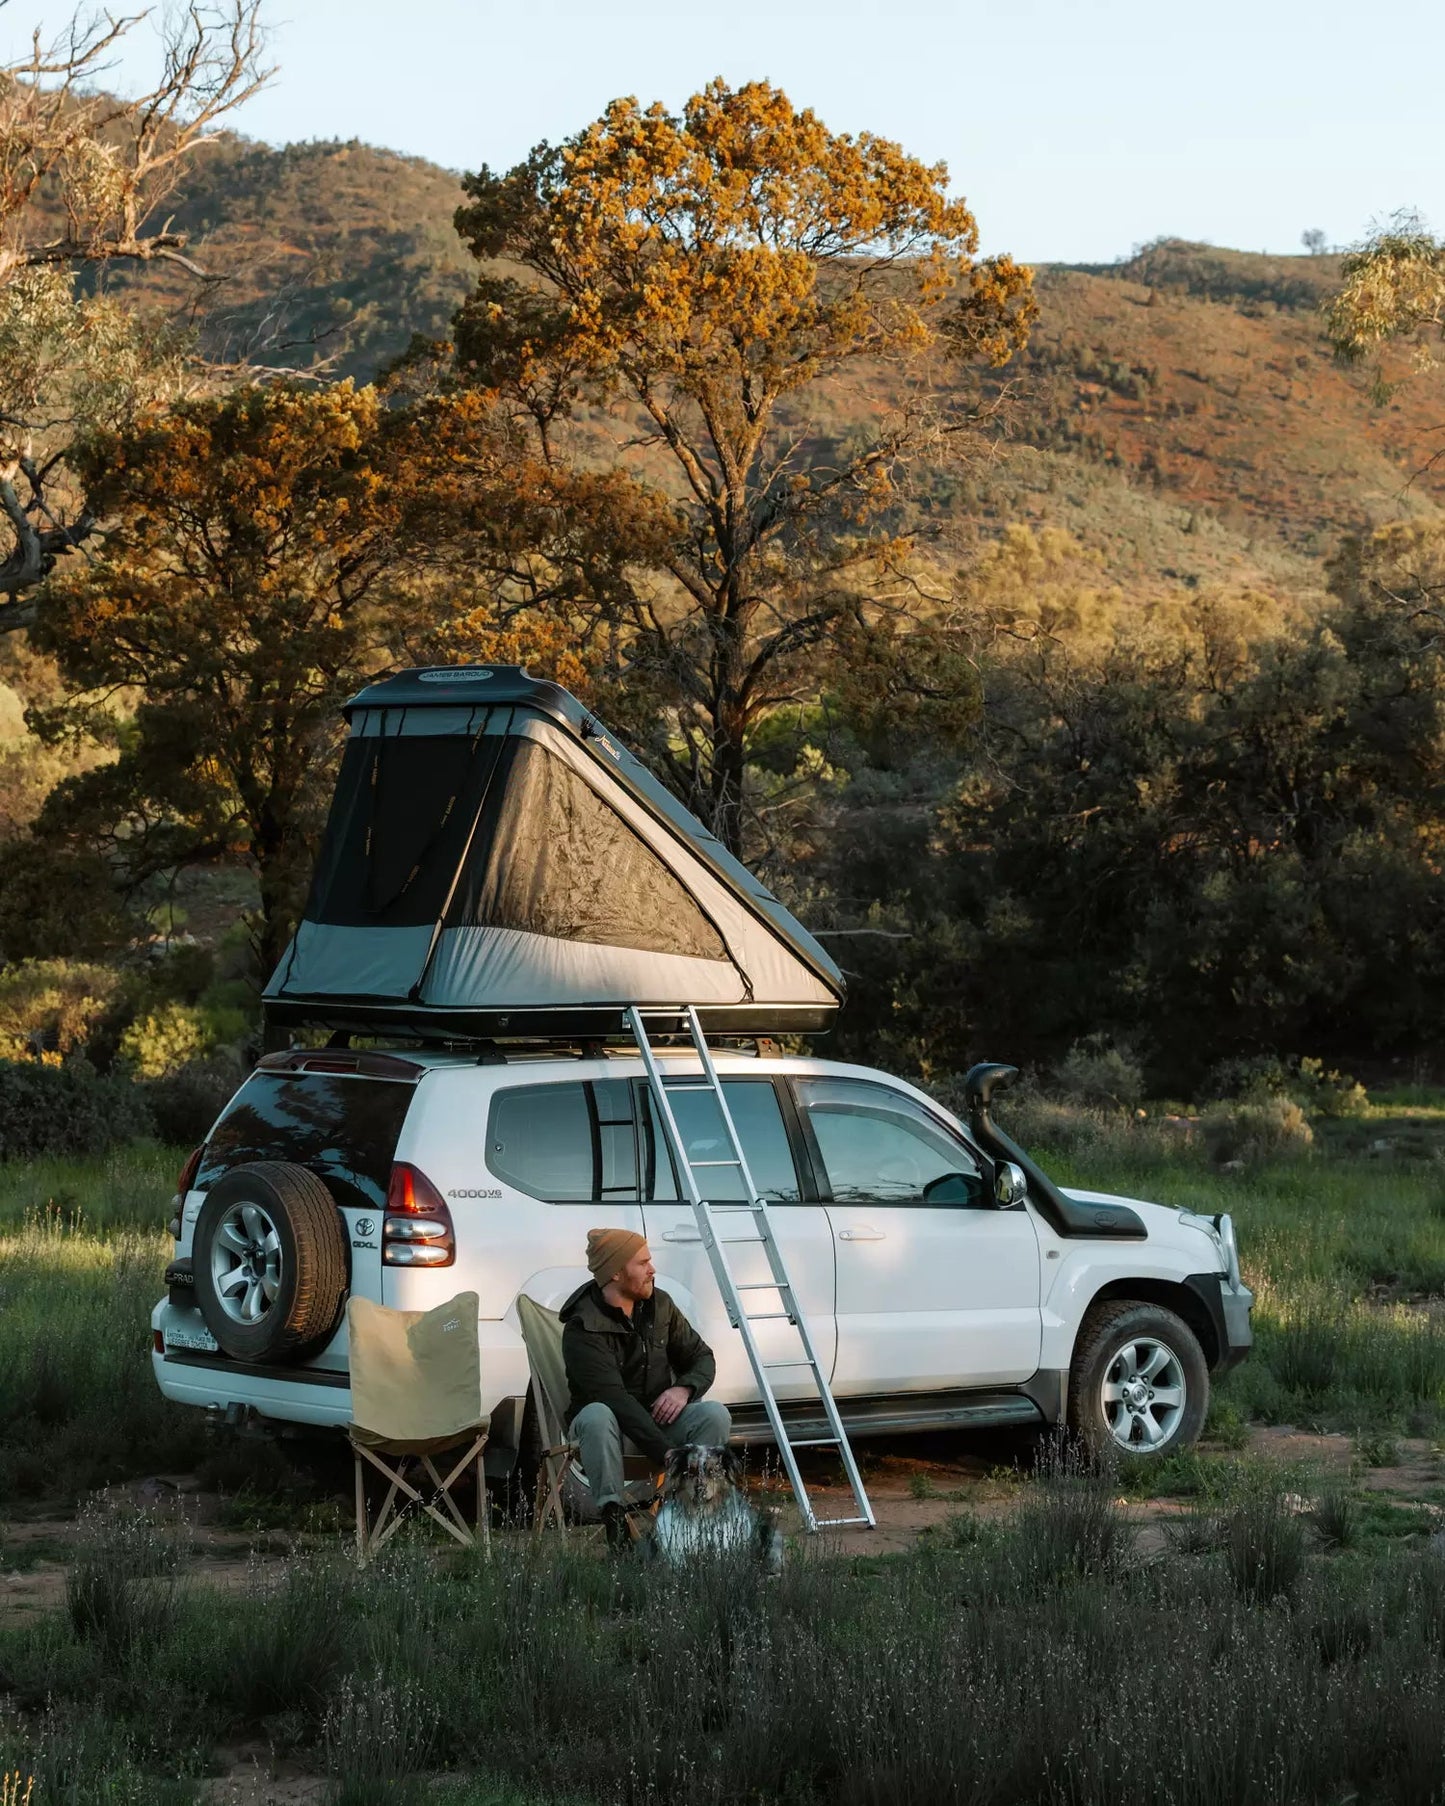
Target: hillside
pixel 1177 412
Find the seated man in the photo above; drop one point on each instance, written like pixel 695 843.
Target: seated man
pixel 635 1367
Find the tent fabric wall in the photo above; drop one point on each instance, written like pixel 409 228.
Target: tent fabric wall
pixel 509 856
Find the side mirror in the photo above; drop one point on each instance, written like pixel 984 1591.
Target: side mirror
pixel 1010 1187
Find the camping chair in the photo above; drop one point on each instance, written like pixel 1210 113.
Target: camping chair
pixel 416 1392
pixel 542 1334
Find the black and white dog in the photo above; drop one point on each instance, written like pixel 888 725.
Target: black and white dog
pixel 704 1511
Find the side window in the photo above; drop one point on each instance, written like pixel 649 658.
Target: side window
pixel 881 1147
pixel 539 1138
pixel 759 1123
pixel 591 1140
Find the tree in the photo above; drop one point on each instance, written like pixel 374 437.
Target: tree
pixel 1314 241
pixel 83 179
pixel 1394 289
pixel 270 546
pixel 707 284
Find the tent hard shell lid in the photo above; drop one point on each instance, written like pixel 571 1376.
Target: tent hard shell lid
pixel 495 863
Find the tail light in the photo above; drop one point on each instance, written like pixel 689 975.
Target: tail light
pixel 417 1228
pixel 184 1183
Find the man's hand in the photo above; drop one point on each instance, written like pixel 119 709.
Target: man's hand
pixel 668 1406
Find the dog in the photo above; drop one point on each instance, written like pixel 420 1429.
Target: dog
pixel 704 1511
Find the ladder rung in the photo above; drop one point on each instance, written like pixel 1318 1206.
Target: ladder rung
pixel 758 1234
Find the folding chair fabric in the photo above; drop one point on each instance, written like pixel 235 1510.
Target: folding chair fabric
pixel 416 1376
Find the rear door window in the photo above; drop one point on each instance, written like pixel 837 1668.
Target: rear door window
pixel 581 1141
pixel 344 1128
pixel 753 1104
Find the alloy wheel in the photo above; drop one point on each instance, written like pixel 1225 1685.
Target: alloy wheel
pixel 1143 1394
pixel 246 1262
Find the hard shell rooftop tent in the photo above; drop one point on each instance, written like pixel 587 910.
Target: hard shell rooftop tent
pixel 496 863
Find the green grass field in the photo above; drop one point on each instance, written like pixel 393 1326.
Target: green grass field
pixel 1285 1644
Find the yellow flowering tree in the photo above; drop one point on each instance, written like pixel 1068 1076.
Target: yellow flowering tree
pixel 681 300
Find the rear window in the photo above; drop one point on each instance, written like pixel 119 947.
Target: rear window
pixel 345 1129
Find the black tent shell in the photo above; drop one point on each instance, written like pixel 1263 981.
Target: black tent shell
pixel 496 863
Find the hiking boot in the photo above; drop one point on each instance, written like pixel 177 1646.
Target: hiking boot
pixel 614 1522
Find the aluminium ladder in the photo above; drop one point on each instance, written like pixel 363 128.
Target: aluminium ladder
pixel 755 1208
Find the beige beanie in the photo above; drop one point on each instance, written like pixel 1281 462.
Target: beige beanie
pixel 609 1250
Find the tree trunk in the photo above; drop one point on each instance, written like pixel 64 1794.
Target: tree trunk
pixel 729 758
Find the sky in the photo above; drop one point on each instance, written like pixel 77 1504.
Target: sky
pixel 1075 129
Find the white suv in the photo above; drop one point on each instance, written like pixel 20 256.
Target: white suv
pixel 944 1286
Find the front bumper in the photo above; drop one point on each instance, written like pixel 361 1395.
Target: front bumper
pixel 1228 1306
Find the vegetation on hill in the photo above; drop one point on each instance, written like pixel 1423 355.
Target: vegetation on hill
pixel 1091 731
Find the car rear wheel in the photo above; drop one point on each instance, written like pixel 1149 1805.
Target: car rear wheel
pixel 1139 1384
pixel 270 1262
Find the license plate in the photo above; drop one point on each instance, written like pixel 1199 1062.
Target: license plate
pixel 192 1338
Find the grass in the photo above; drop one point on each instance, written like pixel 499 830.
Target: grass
pixel 980 1666
pixel 1294 1629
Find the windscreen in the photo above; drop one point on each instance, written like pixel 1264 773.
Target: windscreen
pixel 344 1128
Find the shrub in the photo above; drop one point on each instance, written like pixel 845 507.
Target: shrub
pixel 66 1110
pixel 178 1035
pixel 1250 1076
pixel 165 1040
pixel 1329 1093
pixel 1337 1516
pixel 121 1592
pixel 53 1006
pixel 1097 1073
pixel 1265 1542
pixel 1070 1523
pixel 184 1104
pixel 1270 1129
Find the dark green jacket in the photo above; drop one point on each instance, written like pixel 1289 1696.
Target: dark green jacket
pixel 625 1362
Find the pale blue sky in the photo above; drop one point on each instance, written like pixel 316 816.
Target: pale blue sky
pixel 1074 128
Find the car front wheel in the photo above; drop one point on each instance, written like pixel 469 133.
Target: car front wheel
pixel 1139 1383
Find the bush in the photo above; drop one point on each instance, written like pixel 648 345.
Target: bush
pixel 1271 1129
pixel 1265 1541
pixel 1096 1073
pixel 186 1103
pixel 53 1006
pixel 1329 1093
pixel 67 1109
pixel 178 1035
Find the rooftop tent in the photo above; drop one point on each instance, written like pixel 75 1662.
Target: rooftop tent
pixel 495 863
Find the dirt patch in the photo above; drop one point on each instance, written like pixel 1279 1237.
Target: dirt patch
pixel 915 1487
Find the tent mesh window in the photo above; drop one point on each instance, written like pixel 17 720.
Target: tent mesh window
pixel 404 809
pixel 552 857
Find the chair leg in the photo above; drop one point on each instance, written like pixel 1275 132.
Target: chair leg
pixel 549 1501
pixel 361 1549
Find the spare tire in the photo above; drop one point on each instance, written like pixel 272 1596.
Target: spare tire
pixel 270 1261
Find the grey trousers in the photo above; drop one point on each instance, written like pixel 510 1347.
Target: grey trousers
pixel 598 1435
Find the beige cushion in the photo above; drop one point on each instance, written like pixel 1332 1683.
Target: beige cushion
pixel 416 1376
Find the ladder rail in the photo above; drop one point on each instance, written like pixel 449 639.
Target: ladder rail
pixel 722 1268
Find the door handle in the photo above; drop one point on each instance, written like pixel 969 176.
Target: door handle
pixel 864 1233
pixel 681 1235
